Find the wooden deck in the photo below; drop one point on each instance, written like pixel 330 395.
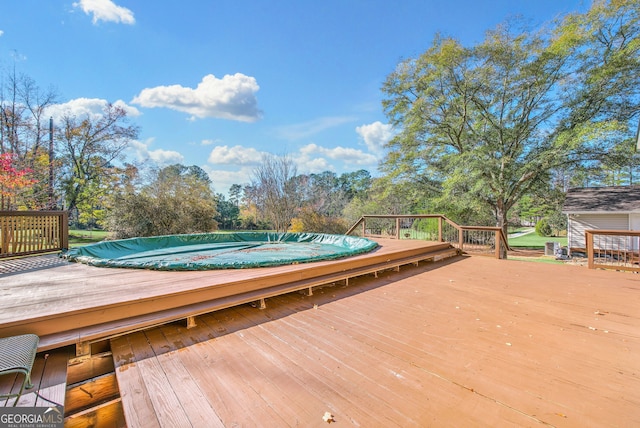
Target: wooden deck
pixel 71 303
pixel 49 378
pixel 469 341
pixel 464 342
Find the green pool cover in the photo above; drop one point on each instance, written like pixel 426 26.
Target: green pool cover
pixel 219 250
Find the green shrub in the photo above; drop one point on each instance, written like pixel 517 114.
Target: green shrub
pixel 543 228
pixel 309 220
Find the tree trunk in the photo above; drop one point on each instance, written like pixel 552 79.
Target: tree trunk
pixel 503 223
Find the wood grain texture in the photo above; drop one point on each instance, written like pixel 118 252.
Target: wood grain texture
pixel 91 393
pixel 108 415
pixel 467 342
pixel 77 303
pixel 49 378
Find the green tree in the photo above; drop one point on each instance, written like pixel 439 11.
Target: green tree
pixel 310 220
pixel 177 200
pixel 355 183
pixel 24 129
pixel 491 121
pixel 604 82
pixel 543 228
pixel 228 213
pixel 325 195
pixel 235 194
pixel 90 146
pixel 386 196
pixel 622 166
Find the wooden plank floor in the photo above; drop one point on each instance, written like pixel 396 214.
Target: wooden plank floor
pixel 49 378
pixel 467 342
pixel 54 300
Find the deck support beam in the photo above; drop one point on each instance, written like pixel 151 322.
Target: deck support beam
pixel 83 349
pixel 191 322
pixel 263 304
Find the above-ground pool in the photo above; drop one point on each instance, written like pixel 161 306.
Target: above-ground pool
pixel 219 250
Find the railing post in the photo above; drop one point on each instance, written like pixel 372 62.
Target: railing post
pixel 398 228
pixel 64 230
pixel 4 235
pixel 440 239
pixel 364 227
pixel 497 241
pixel 460 238
pixel 589 243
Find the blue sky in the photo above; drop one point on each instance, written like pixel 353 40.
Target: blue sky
pixel 218 83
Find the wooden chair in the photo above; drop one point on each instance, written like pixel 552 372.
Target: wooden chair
pixel 17 354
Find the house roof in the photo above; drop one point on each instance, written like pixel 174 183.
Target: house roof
pixel 603 199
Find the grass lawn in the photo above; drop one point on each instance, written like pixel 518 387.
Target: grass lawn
pixel 84 237
pixel 537 260
pixel 533 240
pixel 518 229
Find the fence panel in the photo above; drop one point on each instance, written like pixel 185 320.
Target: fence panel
pixel 33 232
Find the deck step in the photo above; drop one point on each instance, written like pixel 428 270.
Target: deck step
pixel 103 331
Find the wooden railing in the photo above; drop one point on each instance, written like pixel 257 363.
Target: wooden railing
pixel 479 240
pixel 613 249
pixel 33 232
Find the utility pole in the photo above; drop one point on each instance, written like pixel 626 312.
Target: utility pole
pixel 52 203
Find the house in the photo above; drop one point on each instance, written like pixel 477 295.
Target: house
pixel 607 208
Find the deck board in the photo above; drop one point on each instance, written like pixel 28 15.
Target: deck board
pixel 467 342
pixel 70 303
pixel 49 378
pixel 464 342
pixel 133 387
pixel 199 410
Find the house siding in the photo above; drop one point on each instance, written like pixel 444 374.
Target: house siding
pixel 579 223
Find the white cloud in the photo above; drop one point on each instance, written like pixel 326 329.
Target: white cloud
pixel 1 33
pixel 159 156
pixel 306 129
pixel 237 155
pixel 343 154
pixel 106 10
pixel 314 159
pixel 308 165
pixel 376 135
pixel 92 107
pixel 232 97
pixel 309 159
pixel 222 179
pixel 207 142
